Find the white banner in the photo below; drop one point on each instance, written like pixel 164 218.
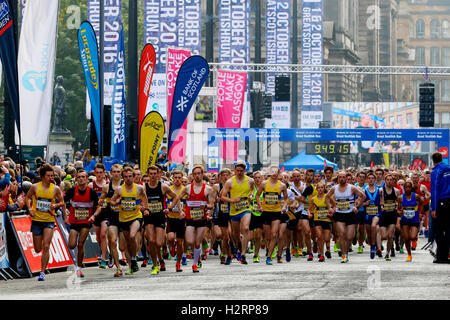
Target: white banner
pixel 36 68
pixel 281 115
pixel 4 260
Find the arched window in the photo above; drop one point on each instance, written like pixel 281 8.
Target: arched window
pixel 445 29
pixel 420 29
pixel 435 29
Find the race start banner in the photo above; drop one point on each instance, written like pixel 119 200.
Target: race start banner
pixel 59 252
pixel 191 77
pixel 312 54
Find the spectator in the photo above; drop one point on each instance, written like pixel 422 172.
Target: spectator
pixel 78 156
pixel 440 207
pixel 55 160
pixel 88 161
pixel 162 156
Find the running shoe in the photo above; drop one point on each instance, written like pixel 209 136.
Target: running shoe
pixel 350 249
pixel 252 248
pixel 397 246
pixel 118 273
pixel 279 260
pixel 204 256
pixel 150 261
pixel 173 251
pixel 228 261
pixel 222 259
pixel 199 264
pixel 184 261
pixel 321 258
pixel 295 252
pixel 255 259
pixel 402 251
pixel 178 267
pixel 379 253
pixel 328 254
pixel 41 276
pixel 216 252
pixel 102 264
pixel 238 256
pixel 194 269
pixel 162 265
pixel 387 258
pixel 274 254
pixel 165 254
pixel 310 257
pixel 372 254
pixel 413 245
pixel 288 255
pixel 122 262
pixel 336 247
pixel 304 252
pixel 155 270
pixel 129 272
pixel 134 266
pixel 244 260
pixel 299 252
pixel 409 259
pixel 188 255
pixel 344 259
pixel 392 252
pixel 340 253
pixel 144 263
pixel 80 274
pixel 204 245
pixel 315 247
pixel 360 249
pixel 110 262
pixel 269 261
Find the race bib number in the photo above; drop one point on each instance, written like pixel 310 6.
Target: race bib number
pixel 322 213
pixel 43 205
pixel 154 207
pixel 409 213
pixel 128 204
pixel 197 213
pixel 343 205
pixel 271 198
pixel 224 207
pixel 81 213
pixel 390 206
pixel 372 210
pixel 242 205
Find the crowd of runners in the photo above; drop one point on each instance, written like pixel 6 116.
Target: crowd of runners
pixel 238 215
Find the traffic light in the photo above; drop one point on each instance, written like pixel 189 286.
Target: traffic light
pixel 282 88
pixel 267 105
pixel 426 100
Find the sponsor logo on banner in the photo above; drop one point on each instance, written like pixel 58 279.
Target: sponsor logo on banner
pixel 59 253
pixel 312 54
pixel 191 77
pixel 152 133
pixel 147 66
pixel 281 115
pixel 444 151
pixel 4 261
pixel 87 44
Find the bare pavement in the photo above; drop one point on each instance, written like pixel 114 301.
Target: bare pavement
pixel 360 278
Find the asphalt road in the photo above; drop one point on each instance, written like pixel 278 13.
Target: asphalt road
pixel 360 278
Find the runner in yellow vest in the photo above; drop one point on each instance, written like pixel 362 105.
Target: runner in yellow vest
pixel 41 201
pixel 129 197
pixel 238 192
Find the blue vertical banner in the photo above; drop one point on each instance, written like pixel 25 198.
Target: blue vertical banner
pixel 118 107
pixel 278 34
pixel 113 22
pixel 192 75
pixel 168 32
pixel 312 54
pixel 87 43
pixel 189 22
pixel 8 57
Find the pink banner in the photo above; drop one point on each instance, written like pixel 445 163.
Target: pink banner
pixel 230 102
pixel 175 58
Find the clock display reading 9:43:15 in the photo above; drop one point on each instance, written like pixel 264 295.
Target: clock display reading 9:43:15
pixel 322 148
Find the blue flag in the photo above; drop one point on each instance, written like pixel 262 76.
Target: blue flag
pixel 118 115
pixel 191 77
pixel 87 43
pixel 8 58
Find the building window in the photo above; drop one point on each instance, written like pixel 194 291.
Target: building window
pixel 445 57
pixel 435 56
pixel 436 118
pixel 420 56
pixel 445 91
pixel 400 120
pixel 445 29
pixel 435 29
pixel 445 117
pixel 420 29
pixel 409 120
